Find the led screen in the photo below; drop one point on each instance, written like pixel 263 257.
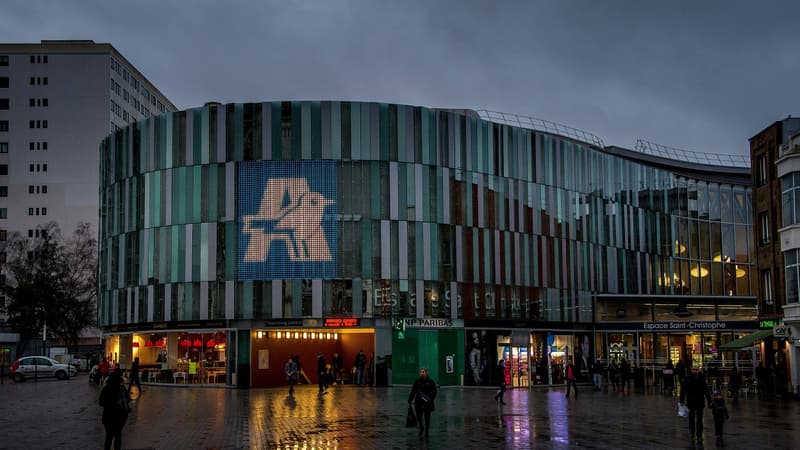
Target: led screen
pixel 287 220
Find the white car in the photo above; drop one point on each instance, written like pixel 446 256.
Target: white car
pixel 40 367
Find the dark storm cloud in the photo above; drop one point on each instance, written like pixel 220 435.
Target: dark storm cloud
pixel 703 76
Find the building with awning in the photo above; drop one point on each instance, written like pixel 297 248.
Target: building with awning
pixel 746 341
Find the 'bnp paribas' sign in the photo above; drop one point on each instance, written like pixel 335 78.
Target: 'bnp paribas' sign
pixel 287 220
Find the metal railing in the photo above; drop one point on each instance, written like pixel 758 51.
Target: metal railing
pixel 713 159
pixel 540 125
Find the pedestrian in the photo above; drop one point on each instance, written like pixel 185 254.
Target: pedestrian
pixel 681 372
pixel 371 369
pixel 290 369
pixel 694 395
pixel 761 380
pixel 501 382
pixel 613 375
pixel 669 377
pixel 571 376
pixel 337 364
pixel 597 374
pixel 720 412
pixel 625 375
pixel 115 400
pixel 322 372
pixel 360 365
pixel 104 369
pixel 734 384
pixel 422 394
pixel 134 378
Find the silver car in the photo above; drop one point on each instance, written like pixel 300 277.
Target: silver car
pixel 40 367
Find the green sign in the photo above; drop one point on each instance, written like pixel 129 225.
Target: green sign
pixel 766 324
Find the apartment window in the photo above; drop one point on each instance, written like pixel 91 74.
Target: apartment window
pixel 31 167
pixel 44 189
pixel 763 221
pixel 31 146
pixel 3 60
pixel 44 59
pixel 3 213
pixel 44 80
pixel 31 124
pixel 3 191
pixel 30 211
pixel 3 169
pixel 44 211
pixel 762 170
pixel 3 82
pixel 33 81
pixel 3 103
pixel 44 124
pixel 3 235
pixel 790 266
pixel 44 145
pixel 3 147
pixel 31 189
pixel 33 59
pixel 31 102
pixel 3 125
pixel 30 233
pixel 44 167
pixel 45 102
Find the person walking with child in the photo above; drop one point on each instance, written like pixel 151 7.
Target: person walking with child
pixel 720 412
pixel 694 394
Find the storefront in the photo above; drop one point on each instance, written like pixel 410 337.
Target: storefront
pixel 202 355
pixel 302 340
pixel 648 346
pixel 436 344
pixel 525 357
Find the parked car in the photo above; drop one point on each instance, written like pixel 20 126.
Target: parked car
pixel 40 367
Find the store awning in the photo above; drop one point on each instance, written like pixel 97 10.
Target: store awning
pixel 746 341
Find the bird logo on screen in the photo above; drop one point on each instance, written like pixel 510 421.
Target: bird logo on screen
pixel 290 213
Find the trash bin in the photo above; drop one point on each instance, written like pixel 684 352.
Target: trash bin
pixel 382 371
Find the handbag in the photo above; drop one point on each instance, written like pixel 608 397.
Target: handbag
pixel 683 411
pixel 411 418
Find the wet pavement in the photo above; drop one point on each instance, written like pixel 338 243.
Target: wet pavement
pixel 64 415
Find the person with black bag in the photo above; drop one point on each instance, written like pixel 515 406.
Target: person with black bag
pixel 115 400
pixel 422 394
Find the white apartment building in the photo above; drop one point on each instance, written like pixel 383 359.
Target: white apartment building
pixel 58 100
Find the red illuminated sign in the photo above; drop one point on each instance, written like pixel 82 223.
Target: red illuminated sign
pixel 341 322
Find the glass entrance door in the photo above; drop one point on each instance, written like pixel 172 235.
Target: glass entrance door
pixel 518 369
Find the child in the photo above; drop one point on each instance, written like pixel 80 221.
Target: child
pixel 720 412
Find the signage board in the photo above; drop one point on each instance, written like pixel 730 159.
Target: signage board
pixel 431 323
pixel 782 331
pixel 287 220
pixel 341 322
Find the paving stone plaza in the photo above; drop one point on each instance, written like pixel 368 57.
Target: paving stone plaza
pixel 65 415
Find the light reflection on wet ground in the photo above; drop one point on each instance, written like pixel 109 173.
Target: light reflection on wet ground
pixel 349 417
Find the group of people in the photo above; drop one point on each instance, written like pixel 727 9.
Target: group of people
pixel 331 372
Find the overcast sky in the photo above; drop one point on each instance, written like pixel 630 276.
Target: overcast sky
pixel 696 75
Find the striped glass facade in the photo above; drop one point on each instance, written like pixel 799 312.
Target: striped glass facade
pixel 438 214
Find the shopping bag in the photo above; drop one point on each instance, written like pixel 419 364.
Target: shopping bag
pixel 411 418
pixel 683 411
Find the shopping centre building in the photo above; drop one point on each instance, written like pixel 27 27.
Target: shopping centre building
pixel 236 236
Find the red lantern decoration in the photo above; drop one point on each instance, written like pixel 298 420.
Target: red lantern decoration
pixel 147 344
pixel 185 343
pixel 160 343
pixel 211 343
pixel 135 344
pixel 197 343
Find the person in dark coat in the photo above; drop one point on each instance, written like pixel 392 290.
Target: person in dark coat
pixel 695 395
pixel 114 417
pixel 571 375
pixel 734 384
pixel 322 372
pixel 422 394
pixel 135 376
pixel 501 382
